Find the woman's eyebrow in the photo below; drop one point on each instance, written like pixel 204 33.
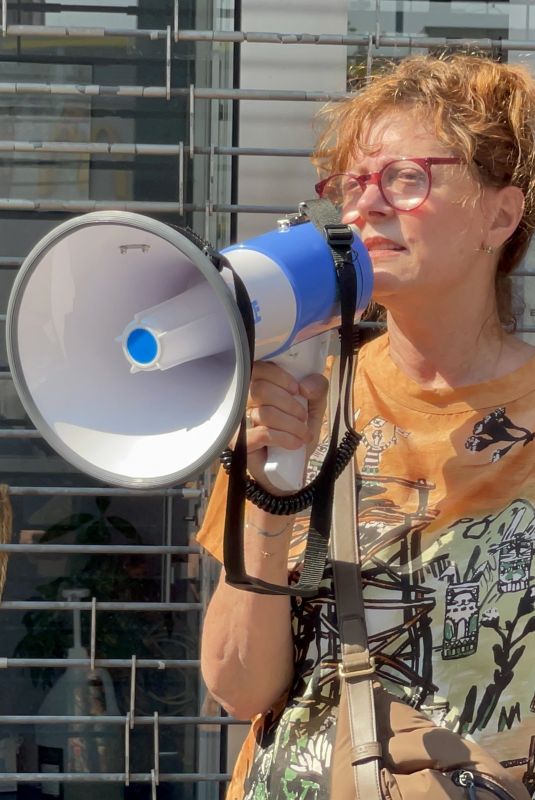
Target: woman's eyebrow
pixel 361 170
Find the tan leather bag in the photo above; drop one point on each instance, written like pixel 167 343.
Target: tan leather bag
pixel 384 748
pixel 420 761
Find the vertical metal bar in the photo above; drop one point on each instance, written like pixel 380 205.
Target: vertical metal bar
pixel 168 64
pixel 76 620
pixel 377 22
pixel 369 57
pixel 175 20
pixel 167 562
pixel 207 222
pixel 93 630
pixel 191 119
pixel 214 122
pixel 181 178
pixel 211 179
pixel 154 795
pixel 127 750
pixel 132 692
pixel 4 17
pixel 156 748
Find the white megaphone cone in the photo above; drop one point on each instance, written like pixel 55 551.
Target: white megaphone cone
pixel 128 350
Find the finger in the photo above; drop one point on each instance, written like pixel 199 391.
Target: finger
pixel 261 437
pixel 265 393
pixel 271 372
pixel 314 388
pixel 272 418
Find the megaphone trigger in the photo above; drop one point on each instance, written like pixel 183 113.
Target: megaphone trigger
pixel 285 469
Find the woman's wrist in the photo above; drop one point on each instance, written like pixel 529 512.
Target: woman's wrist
pixel 267 542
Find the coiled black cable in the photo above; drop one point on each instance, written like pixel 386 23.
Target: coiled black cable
pixel 294 503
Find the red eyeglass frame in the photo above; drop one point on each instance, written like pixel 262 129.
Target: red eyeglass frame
pixel 375 177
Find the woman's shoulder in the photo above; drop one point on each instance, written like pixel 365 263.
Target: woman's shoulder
pixel 514 376
pixel 372 346
pixel 516 354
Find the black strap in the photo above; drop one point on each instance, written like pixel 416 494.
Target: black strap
pixel 339 237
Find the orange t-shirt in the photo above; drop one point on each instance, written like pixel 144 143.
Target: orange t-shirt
pixel 446 515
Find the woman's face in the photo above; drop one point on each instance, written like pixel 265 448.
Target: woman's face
pixel 433 247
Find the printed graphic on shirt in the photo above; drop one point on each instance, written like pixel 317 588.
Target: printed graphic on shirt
pixel 316 459
pixel 377 436
pixel 497 429
pixel 461 620
pixel 296 747
pixel 451 641
pixel 500 566
pixel 427 614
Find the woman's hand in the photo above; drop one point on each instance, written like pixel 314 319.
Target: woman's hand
pixel 279 417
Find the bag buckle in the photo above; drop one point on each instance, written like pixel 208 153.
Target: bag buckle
pixel 338 234
pixel 356 672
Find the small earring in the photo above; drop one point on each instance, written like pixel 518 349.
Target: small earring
pixel 486 249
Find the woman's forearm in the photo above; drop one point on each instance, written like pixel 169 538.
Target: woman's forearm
pixel 247 649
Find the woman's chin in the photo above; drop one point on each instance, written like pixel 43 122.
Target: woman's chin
pixel 385 285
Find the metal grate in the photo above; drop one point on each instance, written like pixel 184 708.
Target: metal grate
pixel 142 630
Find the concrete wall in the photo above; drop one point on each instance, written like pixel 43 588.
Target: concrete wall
pixel 283 180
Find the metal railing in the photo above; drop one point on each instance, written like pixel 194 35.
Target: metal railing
pixel 376 39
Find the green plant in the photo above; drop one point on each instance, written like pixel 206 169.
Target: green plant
pixel 49 634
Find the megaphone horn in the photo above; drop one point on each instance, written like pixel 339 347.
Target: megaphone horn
pixel 128 350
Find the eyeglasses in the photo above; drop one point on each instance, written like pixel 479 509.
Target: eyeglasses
pixel 404 183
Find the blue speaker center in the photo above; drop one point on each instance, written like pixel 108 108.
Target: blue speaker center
pixel 142 346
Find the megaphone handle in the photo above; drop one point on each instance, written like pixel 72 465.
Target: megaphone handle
pixel 285 469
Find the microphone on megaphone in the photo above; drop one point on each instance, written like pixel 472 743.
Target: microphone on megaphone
pixel 130 355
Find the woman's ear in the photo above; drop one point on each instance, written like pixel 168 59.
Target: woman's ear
pixel 505 215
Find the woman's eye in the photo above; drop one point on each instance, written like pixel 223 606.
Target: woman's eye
pixel 351 185
pixel 408 176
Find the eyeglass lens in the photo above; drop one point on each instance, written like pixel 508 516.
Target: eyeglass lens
pixel 404 185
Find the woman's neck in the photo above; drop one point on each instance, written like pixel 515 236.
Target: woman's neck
pixel 438 352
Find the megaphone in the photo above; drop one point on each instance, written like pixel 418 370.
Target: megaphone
pixel 128 350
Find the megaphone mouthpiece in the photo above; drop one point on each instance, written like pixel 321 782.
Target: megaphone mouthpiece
pixel 184 328
pixel 141 347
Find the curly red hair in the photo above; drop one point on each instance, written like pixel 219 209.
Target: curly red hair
pixel 483 110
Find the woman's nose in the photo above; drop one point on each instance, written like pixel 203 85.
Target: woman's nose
pixel 370 203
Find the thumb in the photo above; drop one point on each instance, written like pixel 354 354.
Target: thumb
pixel 314 389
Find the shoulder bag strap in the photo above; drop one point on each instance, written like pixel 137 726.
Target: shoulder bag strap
pixel 356 667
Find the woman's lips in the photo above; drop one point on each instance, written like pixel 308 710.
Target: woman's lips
pixel 380 245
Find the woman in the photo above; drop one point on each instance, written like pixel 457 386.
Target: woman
pixel 433 166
